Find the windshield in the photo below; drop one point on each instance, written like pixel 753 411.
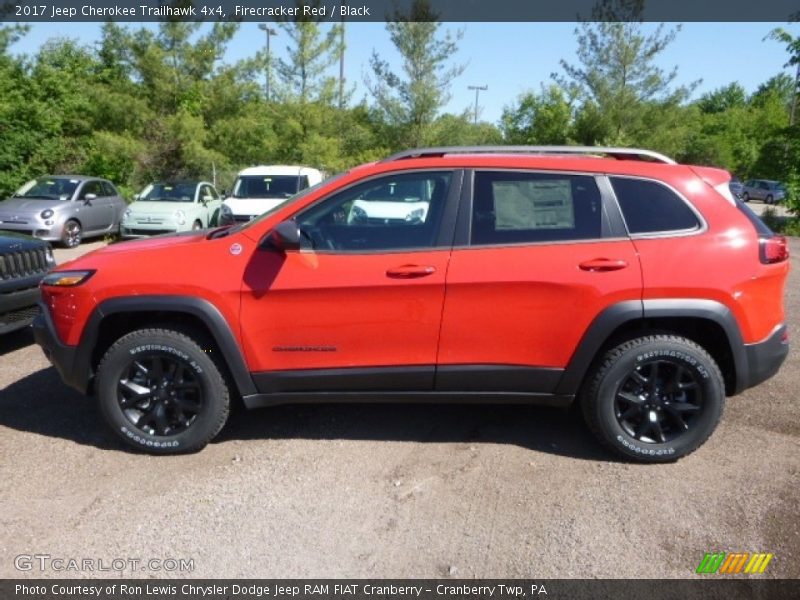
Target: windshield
pixel 48 188
pixel 267 186
pixel 169 192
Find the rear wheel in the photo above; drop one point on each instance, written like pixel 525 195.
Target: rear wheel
pixel 197 225
pixel 745 197
pixel 71 234
pixel 655 398
pixel 769 199
pixel 160 391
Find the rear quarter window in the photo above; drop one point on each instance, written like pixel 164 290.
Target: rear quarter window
pixel 650 207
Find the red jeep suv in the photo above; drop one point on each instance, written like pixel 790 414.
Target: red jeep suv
pixel 613 277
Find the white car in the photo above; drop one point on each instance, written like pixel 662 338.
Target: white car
pixel 171 207
pixel 397 201
pixel 259 189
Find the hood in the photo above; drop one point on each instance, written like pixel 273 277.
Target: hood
pixel 253 206
pixel 29 206
pixel 144 207
pixel 12 242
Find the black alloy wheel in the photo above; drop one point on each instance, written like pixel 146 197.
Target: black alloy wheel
pixel 163 391
pixel 160 394
pixel 654 398
pixel 658 402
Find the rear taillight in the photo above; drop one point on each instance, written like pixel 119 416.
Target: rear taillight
pixel 773 249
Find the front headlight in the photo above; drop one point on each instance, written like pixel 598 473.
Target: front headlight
pixel 46 213
pixel 66 278
pixel 180 217
pixel 415 215
pixel 127 214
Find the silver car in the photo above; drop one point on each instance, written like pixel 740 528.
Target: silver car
pixel 763 189
pixel 64 208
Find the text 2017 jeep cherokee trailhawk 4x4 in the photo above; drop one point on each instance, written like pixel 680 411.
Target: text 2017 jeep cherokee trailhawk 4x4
pixel 616 277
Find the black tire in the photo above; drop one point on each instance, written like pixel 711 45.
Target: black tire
pixel 71 234
pixel 745 197
pixel 769 199
pixel 197 225
pixel 654 399
pixel 161 392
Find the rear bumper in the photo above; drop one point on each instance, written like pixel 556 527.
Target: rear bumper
pixel 66 359
pixel 765 358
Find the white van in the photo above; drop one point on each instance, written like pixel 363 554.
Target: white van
pixel 259 189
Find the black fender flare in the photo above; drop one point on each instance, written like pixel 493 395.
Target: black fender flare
pixel 200 308
pixel 622 313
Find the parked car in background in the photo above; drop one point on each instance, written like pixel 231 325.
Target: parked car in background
pixel 23 262
pixel 634 286
pixel 170 207
pixel 259 189
pixel 767 190
pixel 736 186
pixel 63 208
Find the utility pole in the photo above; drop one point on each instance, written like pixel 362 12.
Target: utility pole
pixel 478 89
pixel 341 62
pixel 793 112
pixel 270 32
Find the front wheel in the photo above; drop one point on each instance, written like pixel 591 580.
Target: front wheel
pixel 769 199
pixel 71 234
pixel 162 392
pixel 654 399
pixel 745 197
pixel 197 226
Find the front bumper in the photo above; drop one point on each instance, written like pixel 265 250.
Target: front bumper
pixel 71 365
pixel 765 358
pixel 132 230
pixel 36 229
pixel 18 308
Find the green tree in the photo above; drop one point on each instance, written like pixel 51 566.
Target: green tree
pixel 410 101
pixel 543 118
pixel 313 50
pixel 616 74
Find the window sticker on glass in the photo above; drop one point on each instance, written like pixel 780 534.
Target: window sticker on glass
pixel 533 204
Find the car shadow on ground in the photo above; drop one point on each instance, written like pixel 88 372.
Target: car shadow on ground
pixel 40 403
pixel 15 340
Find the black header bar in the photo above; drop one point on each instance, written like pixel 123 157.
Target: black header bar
pixel 380 10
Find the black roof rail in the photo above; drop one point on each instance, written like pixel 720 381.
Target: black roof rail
pixel 618 153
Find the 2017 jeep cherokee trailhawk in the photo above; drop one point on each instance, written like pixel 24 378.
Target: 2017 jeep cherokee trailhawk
pixel 614 277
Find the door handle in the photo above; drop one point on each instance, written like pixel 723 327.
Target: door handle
pixel 603 264
pixel 410 271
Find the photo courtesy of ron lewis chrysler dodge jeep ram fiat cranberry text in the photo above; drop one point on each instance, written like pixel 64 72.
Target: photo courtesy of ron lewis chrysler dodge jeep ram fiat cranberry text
pixel 615 278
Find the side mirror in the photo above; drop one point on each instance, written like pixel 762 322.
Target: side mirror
pixel 89 197
pixel 285 237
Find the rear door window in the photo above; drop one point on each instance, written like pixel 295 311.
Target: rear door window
pixel 515 207
pixel 650 207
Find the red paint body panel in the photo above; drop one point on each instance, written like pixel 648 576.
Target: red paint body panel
pixel 530 304
pixel 307 310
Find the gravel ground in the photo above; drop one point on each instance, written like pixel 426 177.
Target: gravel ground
pixel 394 491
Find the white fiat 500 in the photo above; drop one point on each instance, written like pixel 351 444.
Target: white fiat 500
pixel 170 207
